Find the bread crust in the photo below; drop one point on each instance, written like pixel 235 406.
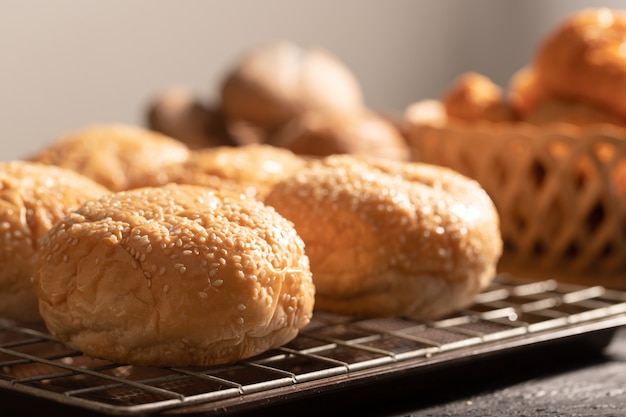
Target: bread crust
pixel 274 82
pixel 583 59
pixel 33 197
pixel 476 98
pixel 391 239
pixel 177 275
pixel 118 156
pixel 249 169
pixel 363 133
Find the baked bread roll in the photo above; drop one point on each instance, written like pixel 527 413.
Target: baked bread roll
pixel 177 113
pixel 120 157
pixel 251 169
pixel 364 133
pixel 33 197
pixel 391 239
pixel 176 275
pixel 273 82
pixel 583 59
pixel 476 98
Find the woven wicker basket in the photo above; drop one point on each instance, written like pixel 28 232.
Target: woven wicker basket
pixel 560 193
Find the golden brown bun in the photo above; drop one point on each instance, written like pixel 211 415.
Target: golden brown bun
pixel 525 93
pixel 363 133
pixel 174 275
pixel 177 113
pixel 475 98
pixel 33 197
pixel 583 59
pixel 388 238
pixel 273 82
pixel 572 112
pixel 251 169
pixel 533 103
pixel 120 157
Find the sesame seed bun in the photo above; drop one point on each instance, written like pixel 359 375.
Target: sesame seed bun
pixel 33 197
pixel 250 169
pixel 391 239
pixel 120 157
pixel 177 275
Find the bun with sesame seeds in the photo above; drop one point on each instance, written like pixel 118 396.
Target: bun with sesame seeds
pixel 249 169
pixel 178 275
pixel 391 239
pixel 33 197
pixel 120 157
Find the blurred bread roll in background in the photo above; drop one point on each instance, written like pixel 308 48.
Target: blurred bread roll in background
pixel 273 82
pixel 179 113
pixel 474 97
pixel 33 197
pixel 364 133
pixel 118 156
pixel 250 169
pixel 583 59
pixel 177 275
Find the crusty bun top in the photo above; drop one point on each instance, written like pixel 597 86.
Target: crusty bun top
pixel 120 157
pixel 275 81
pixel 174 275
pixel 33 197
pixel 475 98
pixel 361 133
pixel 391 238
pixel 249 169
pixel 583 59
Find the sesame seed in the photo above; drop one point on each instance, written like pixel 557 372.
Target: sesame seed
pixel 218 283
pixel 166 288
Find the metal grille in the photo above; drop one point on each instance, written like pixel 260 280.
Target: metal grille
pixel 332 347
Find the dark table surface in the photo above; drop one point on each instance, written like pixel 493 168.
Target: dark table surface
pixel 565 380
pixel 592 385
pixel 584 377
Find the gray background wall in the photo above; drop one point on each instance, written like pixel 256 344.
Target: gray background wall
pixel 68 63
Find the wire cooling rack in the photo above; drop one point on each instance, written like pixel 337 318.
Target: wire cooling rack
pixel 333 350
